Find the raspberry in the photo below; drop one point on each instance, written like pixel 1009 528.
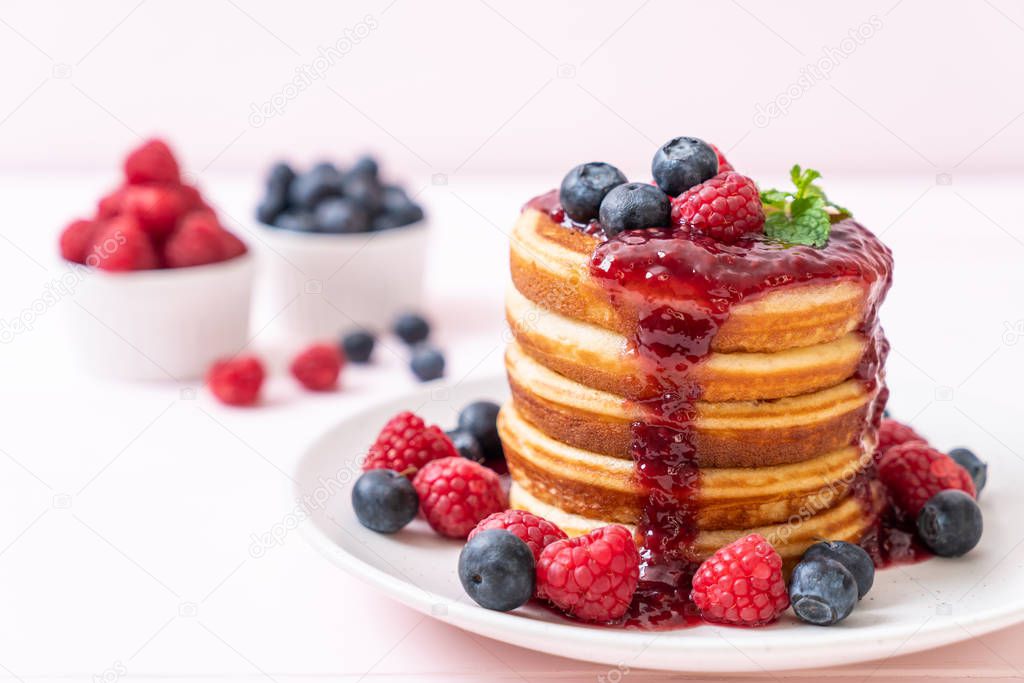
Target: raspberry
pixel 198 240
pixel 406 441
pixel 535 531
pixel 725 207
pixel 76 240
pixel 110 204
pixel 151 162
pixel 913 472
pixel 157 208
pixel 318 367
pixel 741 584
pixel 231 246
pixel 892 433
pixel 591 577
pixel 236 381
pixel 121 245
pixel 723 164
pixel 455 494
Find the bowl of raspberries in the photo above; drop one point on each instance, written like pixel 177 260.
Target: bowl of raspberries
pixel 162 288
pixel 342 247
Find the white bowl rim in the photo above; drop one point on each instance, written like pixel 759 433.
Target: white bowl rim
pixel 297 237
pixel 151 274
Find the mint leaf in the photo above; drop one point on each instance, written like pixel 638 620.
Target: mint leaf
pixel 801 216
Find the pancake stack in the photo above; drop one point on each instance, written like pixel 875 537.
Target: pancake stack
pixel 692 393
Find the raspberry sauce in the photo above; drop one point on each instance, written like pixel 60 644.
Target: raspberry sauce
pixel 684 286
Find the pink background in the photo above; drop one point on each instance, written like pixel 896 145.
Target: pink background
pixel 494 87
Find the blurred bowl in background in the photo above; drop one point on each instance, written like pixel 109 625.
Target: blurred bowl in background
pixel 160 324
pixel 320 284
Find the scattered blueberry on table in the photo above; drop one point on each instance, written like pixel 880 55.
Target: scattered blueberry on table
pixel 426 362
pixel 411 328
pixel 332 200
pixel 357 345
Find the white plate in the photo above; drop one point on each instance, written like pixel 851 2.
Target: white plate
pixel 910 608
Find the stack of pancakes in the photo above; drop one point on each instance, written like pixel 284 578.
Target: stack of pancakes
pixel 783 430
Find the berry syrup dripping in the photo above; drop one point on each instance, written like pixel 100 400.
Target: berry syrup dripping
pixel 683 286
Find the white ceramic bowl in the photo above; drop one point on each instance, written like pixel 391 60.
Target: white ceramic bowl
pixel 160 324
pixel 319 285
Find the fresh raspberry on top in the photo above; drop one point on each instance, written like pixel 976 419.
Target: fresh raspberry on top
pixel 892 433
pixel 913 473
pixel 236 381
pixel 406 441
pixel 726 207
pixel 157 208
pixel 741 584
pixel 317 368
pixel 76 241
pixel 198 240
pixel 591 577
pixel 723 164
pixel 120 245
pixel 151 162
pixel 535 531
pixel 455 494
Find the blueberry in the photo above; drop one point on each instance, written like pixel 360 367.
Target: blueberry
pixel 364 190
pixel 392 198
pixel 384 500
pixel 885 413
pixel 358 346
pixel 681 163
pixel 822 591
pixel 411 328
pixel 634 206
pixel 364 166
pixel 585 186
pixel 309 189
pixel 950 523
pixel 280 177
pixel 852 556
pixel 497 570
pixel 480 419
pixel 299 221
pixel 341 215
pixel 973 464
pixel 387 221
pixel 273 205
pixel 325 168
pixel 467 445
pixel 427 363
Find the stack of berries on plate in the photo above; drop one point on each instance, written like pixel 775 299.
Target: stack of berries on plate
pixel 513 556
pixel 328 199
pixel 153 220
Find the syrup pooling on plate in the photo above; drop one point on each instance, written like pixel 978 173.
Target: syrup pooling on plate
pixel 683 286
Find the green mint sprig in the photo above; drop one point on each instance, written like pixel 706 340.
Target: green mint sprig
pixel 804 216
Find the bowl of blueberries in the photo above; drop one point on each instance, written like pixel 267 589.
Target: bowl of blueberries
pixel 341 247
